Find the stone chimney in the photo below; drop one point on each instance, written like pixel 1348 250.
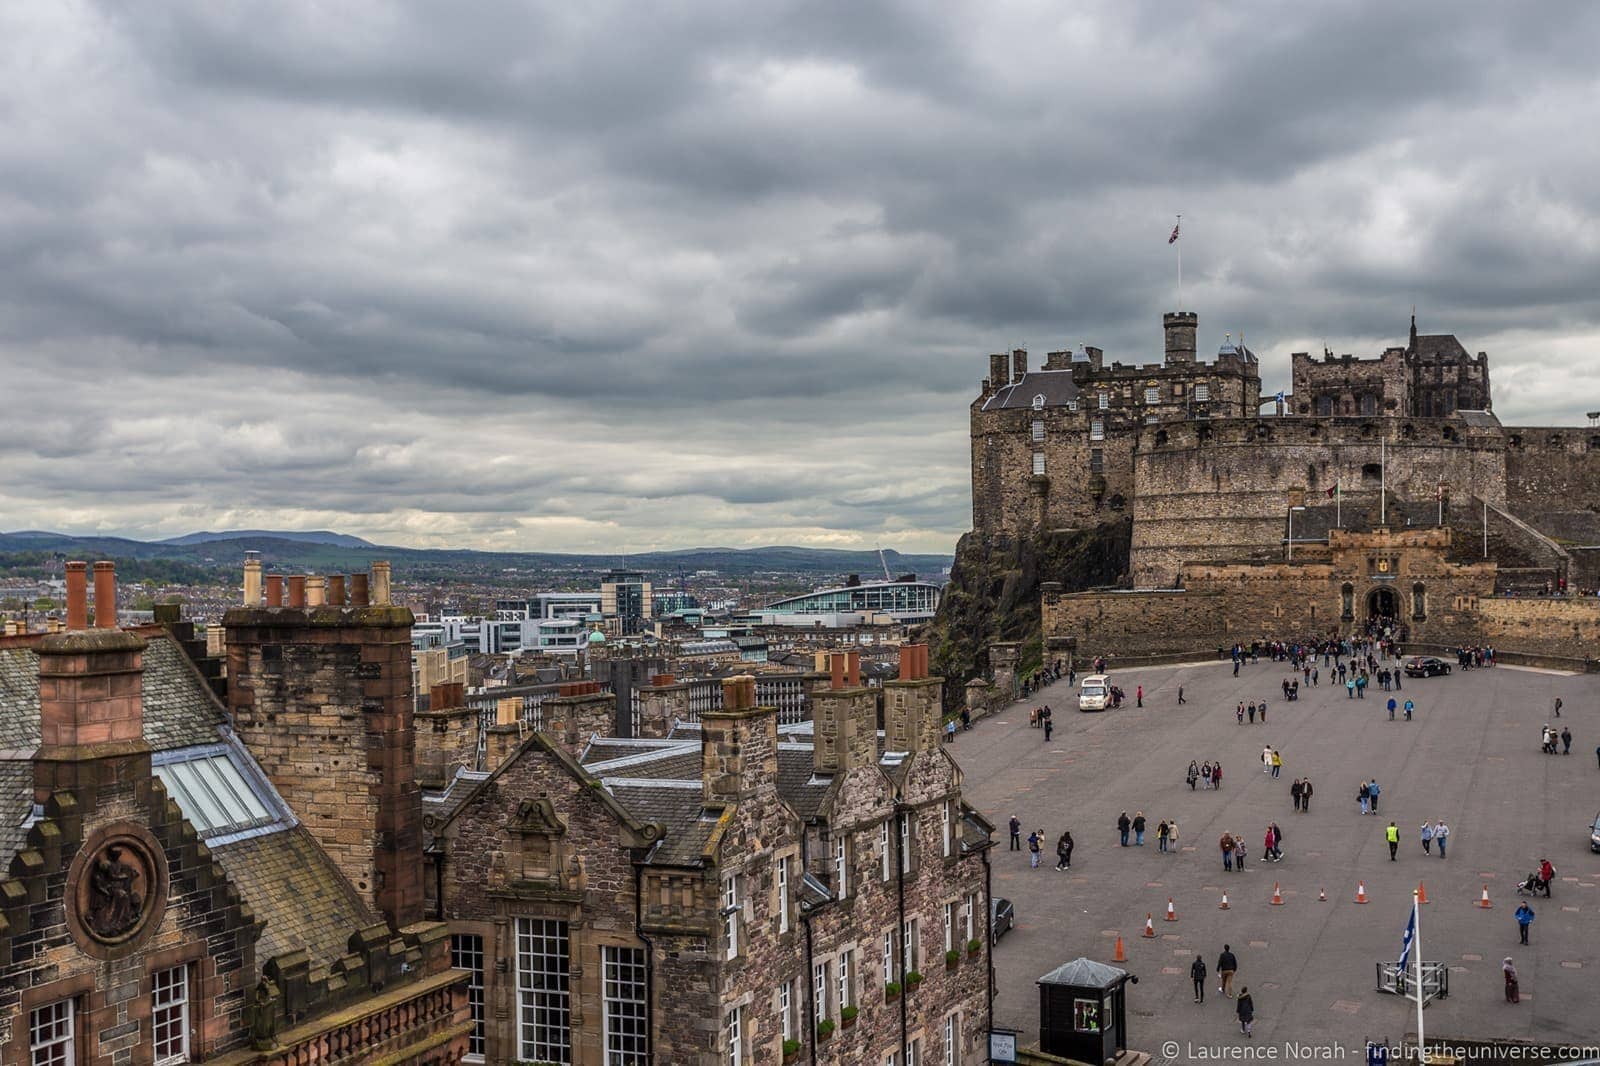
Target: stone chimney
pixel 999 371
pixel 912 710
pixel 506 735
pixel 252 579
pixel 322 696
pixel 447 735
pixel 1019 363
pixel 844 718
pixel 91 700
pixel 1180 328
pixel 579 710
pixel 663 701
pixel 738 745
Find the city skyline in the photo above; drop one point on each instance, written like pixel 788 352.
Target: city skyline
pixel 612 279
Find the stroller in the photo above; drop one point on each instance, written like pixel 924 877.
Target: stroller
pixel 1531 885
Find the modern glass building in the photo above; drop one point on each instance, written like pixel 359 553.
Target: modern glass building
pixel 905 601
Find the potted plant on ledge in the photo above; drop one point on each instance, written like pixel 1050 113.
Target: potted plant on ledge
pixel 913 979
pixel 974 947
pixel 891 991
pixel 824 1029
pixel 847 1016
pixel 951 959
pixel 791 1048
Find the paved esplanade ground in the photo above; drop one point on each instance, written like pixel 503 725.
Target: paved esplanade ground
pixel 1471 757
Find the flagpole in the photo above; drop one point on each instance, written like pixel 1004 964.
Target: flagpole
pixel 1416 946
pixel 1383 481
pixel 1176 229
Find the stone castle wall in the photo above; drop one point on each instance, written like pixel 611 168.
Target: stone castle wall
pixel 1553 479
pixel 1221 490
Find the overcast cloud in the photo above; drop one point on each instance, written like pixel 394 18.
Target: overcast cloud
pixel 617 276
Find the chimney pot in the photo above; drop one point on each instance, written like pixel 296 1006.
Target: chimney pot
pixel 274 590
pixel 252 580
pixel 836 670
pixel 77 595
pixel 380 584
pixel 315 589
pixel 853 669
pixel 105 595
pixel 297 590
pixel 336 590
pixel 358 591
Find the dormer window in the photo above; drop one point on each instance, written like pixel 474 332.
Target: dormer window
pixel 1038 401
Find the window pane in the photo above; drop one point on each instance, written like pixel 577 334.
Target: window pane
pixel 50 1034
pixel 169 1015
pixel 466 953
pixel 544 1017
pixel 627 1016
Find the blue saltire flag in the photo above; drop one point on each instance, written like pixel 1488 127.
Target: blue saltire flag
pixel 1405 945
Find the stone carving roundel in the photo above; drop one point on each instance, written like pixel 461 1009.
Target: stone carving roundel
pixel 116 889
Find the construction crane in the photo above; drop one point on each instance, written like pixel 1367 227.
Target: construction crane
pixel 884 563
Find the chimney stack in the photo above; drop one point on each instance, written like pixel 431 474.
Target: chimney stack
pixel 105 595
pixel 91 711
pixel 252 579
pixel 578 711
pixel 912 710
pixel 77 596
pixel 447 735
pixel 380 584
pixel 999 371
pixel 664 700
pixel 274 590
pixel 1019 364
pixel 844 720
pixel 738 745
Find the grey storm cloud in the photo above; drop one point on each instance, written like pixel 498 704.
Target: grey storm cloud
pixel 567 276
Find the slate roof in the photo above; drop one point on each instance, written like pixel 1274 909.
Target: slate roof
pixel 1056 386
pixel 16 804
pixel 1084 973
pixel 677 808
pixel 679 764
pixel 604 749
pixel 293 883
pixel 798 783
pixel 1432 346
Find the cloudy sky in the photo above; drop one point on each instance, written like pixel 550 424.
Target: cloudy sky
pixel 613 276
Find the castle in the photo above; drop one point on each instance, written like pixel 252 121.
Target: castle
pixel 1360 456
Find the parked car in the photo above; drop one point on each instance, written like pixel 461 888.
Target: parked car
pixel 1001 918
pixel 1094 693
pixel 1426 666
pixel 1594 834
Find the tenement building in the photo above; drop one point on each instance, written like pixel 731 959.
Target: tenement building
pixel 193 879
pixel 1342 474
pixel 724 890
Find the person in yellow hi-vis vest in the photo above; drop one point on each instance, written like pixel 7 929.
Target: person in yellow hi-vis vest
pixel 1393 836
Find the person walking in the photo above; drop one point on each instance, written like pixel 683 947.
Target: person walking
pixel 1409 708
pixel 1392 835
pixel 1547 874
pixel 1263 710
pixel 1277 764
pixel 1427 838
pixel 1138 829
pixel 1513 989
pixel 1372 793
pixel 1294 794
pixel 1365 797
pixel 1558 706
pixel 1227 965
pixel 1277 842
pixel 1239 713
pixel 1193 775
pixel 1266 760
pixel 1349 686
pixel 1064 851
pixel 1124 823
pixel 1205 775
pixel 1246 1008
pixel 1441 835
pixel 1305 795
pixel 1566 741
pixel 1048 727
pixel 1226 844
pixel 1172 834
pixel 1524 917
pixel 1391 708
pixel 1161 835
pixel 1138 695
pixel 1197 974
pixel 1016 833
pixel 1181 700
pixel 1216 775
pixel 1035 845
pixel 1250 713
pixel 1238 853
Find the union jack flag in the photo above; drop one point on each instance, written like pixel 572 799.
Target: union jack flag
pixel 1174 238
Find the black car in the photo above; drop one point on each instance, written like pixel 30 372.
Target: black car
pixel 1426 666
pixel 1002 917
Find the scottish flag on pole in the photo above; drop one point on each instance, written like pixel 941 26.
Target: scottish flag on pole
pixel 1405 945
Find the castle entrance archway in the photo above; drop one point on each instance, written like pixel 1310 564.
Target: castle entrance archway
pixel 1383 605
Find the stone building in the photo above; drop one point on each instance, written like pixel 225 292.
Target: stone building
pixel 1180 448
pixel 728 892
pixel 173 897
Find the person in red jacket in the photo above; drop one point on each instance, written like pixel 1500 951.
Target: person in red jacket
pixel 1547 873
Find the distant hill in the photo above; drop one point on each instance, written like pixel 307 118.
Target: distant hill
pixel 332 552
pixel 320 536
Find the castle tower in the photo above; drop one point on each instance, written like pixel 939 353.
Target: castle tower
pixel 1180 327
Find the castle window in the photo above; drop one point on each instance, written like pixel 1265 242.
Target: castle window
pixel 1161 437
pixel 1097 461
pixel 1038 401
pixel 1202 392
pixel 544 1007
pixel 169 1015
pixel 1369 404
pixel 1449 433
pixel 1152 394
pixel 1372 473
pixel 1419 602
pixel 1038 462
pixel 627 1007
pixel 1072 404
pixel 1151 420
pixel 1348 601
pixel 1105 400
pixel 1038 430
pixel 730 914
pixel 1097 429
pixel 51 1029
pixel 1325 405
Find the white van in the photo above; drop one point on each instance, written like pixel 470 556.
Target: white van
pixel 1094 694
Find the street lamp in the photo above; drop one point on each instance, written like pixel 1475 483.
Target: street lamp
pixel 1292 510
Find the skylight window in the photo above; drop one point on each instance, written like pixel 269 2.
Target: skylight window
pixel 214 795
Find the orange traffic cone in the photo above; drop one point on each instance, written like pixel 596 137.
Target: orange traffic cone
pixel 1172 912
pixel 1121 955
pixel 1277 897
pixel 1361 892
pixel 1224 904
pixel 1484 902
pixel 1422 893
pixel 1149 927
pixel 1322 895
